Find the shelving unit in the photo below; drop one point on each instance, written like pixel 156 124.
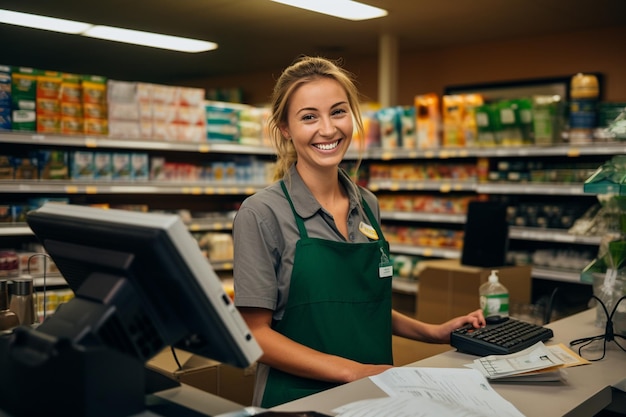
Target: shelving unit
pixel 149 190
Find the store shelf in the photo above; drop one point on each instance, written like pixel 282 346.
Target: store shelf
pixel 15 229
pixel 443 186
pixel 551 235
pixel 423 217
pixel 572 151
pixel 531 188
pixel 557 275
pixel 196 225
pixel 73 141
pixel 431 252
pixel 53 280
pixel 210 224
pixel 147 187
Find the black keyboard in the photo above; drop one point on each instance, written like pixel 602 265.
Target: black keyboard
pixel 507 336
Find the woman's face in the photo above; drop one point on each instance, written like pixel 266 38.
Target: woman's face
pixel 319 122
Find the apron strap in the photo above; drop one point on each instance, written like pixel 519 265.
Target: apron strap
pixel 299 222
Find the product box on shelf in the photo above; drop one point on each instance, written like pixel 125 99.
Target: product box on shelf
pixel 24 98
pixel 5 97
pixel 449 289
pixel 223 380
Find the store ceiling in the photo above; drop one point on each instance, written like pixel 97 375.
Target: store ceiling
pixel 259 35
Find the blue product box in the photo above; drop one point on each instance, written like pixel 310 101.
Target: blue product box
pixel 82 165
pixel 122 167
pixel 53 164
pixel 5 87
pixel 103 166
pixel 140 163
pixel 5 118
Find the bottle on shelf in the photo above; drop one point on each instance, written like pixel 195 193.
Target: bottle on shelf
pixel 8 319
pixel 22 300
pixel 494 297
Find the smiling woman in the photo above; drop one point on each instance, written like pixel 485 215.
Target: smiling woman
pixel 311 265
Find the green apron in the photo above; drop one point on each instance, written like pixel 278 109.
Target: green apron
pixel 337 304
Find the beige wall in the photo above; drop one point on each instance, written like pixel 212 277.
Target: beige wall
pixel 431 70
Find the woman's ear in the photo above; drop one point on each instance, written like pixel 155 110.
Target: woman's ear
pixel 285 133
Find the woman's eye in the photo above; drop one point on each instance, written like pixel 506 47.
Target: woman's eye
pixel 308 117
pixel 339 112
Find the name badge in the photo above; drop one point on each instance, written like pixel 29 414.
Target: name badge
pixel 385 267
pixel 368 231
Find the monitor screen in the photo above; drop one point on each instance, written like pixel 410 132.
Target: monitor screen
pixel 141 284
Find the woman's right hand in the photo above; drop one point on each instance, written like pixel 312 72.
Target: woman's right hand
pixel 282 353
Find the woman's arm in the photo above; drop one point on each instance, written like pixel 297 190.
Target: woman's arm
pixel 283 353
pixel 411 328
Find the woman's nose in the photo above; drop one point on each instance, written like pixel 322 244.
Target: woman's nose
pixel 327 127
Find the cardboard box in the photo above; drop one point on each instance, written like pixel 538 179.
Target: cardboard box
pixel 448 289
pixel 223 380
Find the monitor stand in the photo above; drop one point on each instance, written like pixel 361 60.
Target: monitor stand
pixel 44 375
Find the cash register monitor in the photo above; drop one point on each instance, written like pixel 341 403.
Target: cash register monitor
pixel 141 284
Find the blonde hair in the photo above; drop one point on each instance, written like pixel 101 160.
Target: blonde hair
pixel 302 71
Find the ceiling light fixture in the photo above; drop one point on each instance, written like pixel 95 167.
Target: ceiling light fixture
pixel 135 37
pixel 155 40
pixel 345 9
pixel 43 22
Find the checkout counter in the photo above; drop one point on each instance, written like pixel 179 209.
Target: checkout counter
pixel 588 389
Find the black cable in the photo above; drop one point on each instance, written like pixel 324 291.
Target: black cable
pixel 609 333
pixel 547 316
pixel 180 367
pixel 45 268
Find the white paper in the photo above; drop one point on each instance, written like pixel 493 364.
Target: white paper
pixel 415 392
pixel 533 358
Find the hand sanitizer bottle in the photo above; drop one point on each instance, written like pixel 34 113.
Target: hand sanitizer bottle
pixel 494 297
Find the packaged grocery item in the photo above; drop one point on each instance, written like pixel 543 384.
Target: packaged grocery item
pixel 583 108
pixel 525 119
pixel 452 120
pixel 25 168
pixel 53 164
pixel 5 97
pixel 103 166
pixel 122 168
pixel 468 122
pixel 389 133
pixel 545 114
pixel 48 105
pixel 428 120
pixel 24 98
pixel 510 133
pixel 140 163
pixel 407 124
pixel 82 165
pixel 487 125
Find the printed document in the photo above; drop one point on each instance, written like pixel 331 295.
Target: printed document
pixel 444 392
pixel 538 362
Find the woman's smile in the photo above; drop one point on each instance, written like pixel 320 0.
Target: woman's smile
pixel 327 146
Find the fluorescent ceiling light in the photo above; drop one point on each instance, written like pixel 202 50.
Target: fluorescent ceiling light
pixel 345 9
pixel 43 22
pixel 135 37
pixel 154 40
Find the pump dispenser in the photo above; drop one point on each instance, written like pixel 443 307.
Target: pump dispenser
pixel 494 297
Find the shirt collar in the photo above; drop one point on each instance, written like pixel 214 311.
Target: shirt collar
pixel 303 201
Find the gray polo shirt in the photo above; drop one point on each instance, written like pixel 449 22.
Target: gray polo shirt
pixel 265 235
